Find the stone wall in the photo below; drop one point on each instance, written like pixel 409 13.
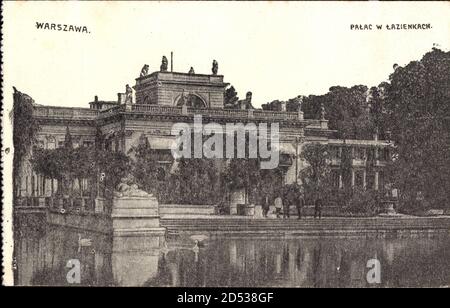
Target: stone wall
pixel 164 88
pixel 186 209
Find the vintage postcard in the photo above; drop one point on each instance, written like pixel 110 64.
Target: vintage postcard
pixel 226 144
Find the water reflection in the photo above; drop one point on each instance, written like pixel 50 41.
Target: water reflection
pixel 301 262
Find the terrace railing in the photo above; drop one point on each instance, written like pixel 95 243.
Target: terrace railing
pixel 213 112
pixel 79 205
pixel 65 113
pixel 92 114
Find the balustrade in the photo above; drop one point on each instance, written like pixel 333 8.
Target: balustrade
pixel 81 113
pixel 65 113
pixel 63 204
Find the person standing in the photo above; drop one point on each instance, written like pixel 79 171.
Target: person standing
pixel 300 204
pixel 318 208
pixel 286 206
pixel 278 205
pixel 265 205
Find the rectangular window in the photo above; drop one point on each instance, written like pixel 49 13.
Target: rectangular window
pixel 335 152
pixel 386 154
pixel 370 180
pixel 335 175
pixel 370 153
pixel 117 145
pixel 361 153
pixel 359 181
pixel 381 180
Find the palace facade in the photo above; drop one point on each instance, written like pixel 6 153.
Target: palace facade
pixel 163 98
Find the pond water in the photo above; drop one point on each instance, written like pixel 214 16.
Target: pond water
pixel 42 256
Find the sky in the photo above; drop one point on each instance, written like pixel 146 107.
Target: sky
pixel 277 50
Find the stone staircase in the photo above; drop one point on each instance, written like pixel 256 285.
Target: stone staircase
pixel 345 226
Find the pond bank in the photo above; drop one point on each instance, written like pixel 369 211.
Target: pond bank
pixel 383 227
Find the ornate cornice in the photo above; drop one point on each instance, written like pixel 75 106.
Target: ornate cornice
pixel 63 121
pixel 114 117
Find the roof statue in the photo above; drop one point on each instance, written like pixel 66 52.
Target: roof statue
pixel 247 102
pixel 164 64
pixel 128 94
pixel 215 67
pixel 144 70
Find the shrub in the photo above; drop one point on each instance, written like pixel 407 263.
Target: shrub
pixel 364 202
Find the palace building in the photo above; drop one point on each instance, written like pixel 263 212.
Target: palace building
pixel 165 97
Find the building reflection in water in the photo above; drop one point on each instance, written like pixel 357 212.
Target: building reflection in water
pixel 42 255
pixel 134 268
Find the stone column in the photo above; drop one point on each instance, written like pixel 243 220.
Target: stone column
pixel 364 178
pixel 340 180
pixel 48 187
pixel 353 177
pixel 376 180
pixel 174 272
pixel 39 185
pixel 233 253
pixel 278 263
pixel 291 264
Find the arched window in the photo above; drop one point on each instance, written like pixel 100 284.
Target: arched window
pixel 148 100
pixel 191 100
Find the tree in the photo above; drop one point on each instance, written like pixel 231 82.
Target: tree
pixel 242 173
pixel 67 164
pixel 316 177
pixel 68 139
pixel 231 97
pixel 149 174
pixel 378 110
pixel 269 182
pixel 348 110
pixel 114 165
pixel 417 103
pixel 291 193
pixel 25 128
pixel 274 105
pixel 361 201
pixel 145 166
pixel 196 181
pixel 246 173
